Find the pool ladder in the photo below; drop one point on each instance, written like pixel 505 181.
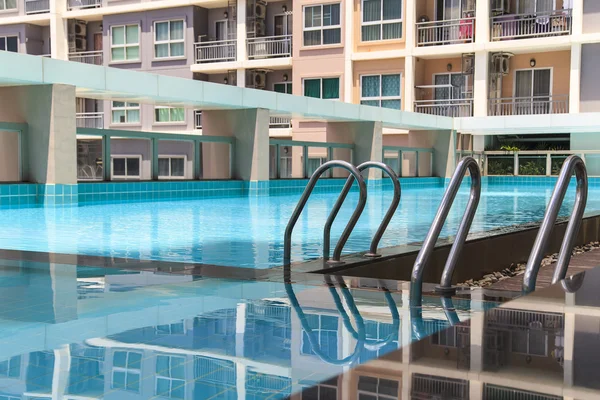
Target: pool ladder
pixel 355 175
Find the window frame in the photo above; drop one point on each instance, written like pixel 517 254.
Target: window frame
pixel 377 395
pixel 535 6
pixel 169 122
pixel 320 79
pixel 449 336
pixel 125 108
pixel 169 378
pixel 5 37
pixel 322 27
pixel 451 98
pixel 381 98
pixel 288 83
pixel 126 370
pixel 381 22
pixel 8 10
pixel 126 45
pixel 126 176
pixel 317 331
pixel 169 41
pixel 169 157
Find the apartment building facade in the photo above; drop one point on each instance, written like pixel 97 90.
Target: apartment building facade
pixel 458 58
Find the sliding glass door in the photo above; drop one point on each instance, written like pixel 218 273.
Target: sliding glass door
pixel 532 91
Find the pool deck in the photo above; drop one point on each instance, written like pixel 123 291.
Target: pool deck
pixel 579 263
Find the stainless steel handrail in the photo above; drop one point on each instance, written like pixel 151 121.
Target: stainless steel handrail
pixel 416 284
pixel 573 164
pixel 386 219
pixel 287 240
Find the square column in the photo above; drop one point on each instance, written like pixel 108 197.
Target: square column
pixel 241 31
pixel 409 82
pixel 575 86
pixel 59 45
pixel 367 139
pixel 481 83
pixel 482 21
pixel 251 131
pixel 577 22
pixel 348 49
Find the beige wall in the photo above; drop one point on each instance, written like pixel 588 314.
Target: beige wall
pixel 426 69
pixel 9 156
pixel 559 61
pixel 381 45
pixel 391 66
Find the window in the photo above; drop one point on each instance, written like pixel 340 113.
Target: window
pixel 172 167
pixel 532 341
pixel 322 25
pixel 532 91
pixel 377 389
pixel 285 87
pixel 11 368
pixel 9 43
pixel 170 377
pixel 169 39
pixel 377 332
pixel 125 112
pixel 325 331
pixel 171 329
pixel 323 391
pixel 126 167
pixel 381 91
pixel 381 20
pixel 126 371
pixel 8 4
pixel 445 338
pixel 169 114
pixel 322 88
pixel 125 42
pixel 533 7
pixel 451 86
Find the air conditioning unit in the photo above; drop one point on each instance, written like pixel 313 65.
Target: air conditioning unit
pixel 502 63
pixel 80 29
pixel 260 10
pixel 259 79
pixel 260 29
pixel 80 44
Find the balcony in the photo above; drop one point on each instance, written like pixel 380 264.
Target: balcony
pixel 90 120
pixel 534 105
pixel 83 4
pixel 445 108
pixel 37 6
pixel 216 51
pixel 87 57
pixel 525 26
pixel 270 47
pixel 453 31
pixel 280 123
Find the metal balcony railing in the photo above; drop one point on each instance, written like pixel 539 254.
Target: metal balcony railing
pixel 452 31
pixel 523 26
pixel 269 47
pixel 429 386
pixel 90 120
pixel 216 51
pixel 280 122
pixel 37 6
pixel 78 4
pixel 198 119
pixel 445 108
pixel 87 57
pixel 533 105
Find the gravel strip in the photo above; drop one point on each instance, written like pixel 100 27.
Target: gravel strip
pixel 519 268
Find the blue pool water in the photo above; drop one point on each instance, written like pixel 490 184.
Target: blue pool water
pixel 248 231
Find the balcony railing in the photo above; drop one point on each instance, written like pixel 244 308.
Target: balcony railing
pixel 446 32
pixel 78 4
pixel 90 120
pixel 523 26
pixel 269 47
pixel 197 119
pixel 533 105
pixel 280 122
pixel 216 51
pixel 445 108
pixel 87 57
pixel 37 6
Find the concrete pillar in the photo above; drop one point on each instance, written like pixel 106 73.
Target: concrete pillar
pixel 367 139
pixel 410 20
pixel 241 30
pixel 481 82
pixel 577 22
pixel 409 82
pixel 575 86
pixel 349 32
pixel 251 131
pixel 50 145
pixel 482 22
pixel 444 153
pixel 59 46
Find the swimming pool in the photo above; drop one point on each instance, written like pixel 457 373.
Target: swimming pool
pixel 248 231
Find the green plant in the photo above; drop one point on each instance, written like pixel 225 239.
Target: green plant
pixel 508 147
pixel 500 166
pixel 533 167
pixel 541 146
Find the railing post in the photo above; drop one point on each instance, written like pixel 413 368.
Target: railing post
pixel 197 159
pixel 277 161
pixel 485 164
pixel 305 161
pixel 516 163
pixel 154 165
pixel 548 164
pixel 399 163
pixel 417 163
pixel 106 158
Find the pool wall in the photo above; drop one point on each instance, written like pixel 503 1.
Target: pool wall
pixel 23 195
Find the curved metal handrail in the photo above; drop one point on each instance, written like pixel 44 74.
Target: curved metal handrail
pixel 573 283
pixel 372 345
pixel 572 164
pixel 287 241
pixel 386 219
pixel 416 284
pixel 314 342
